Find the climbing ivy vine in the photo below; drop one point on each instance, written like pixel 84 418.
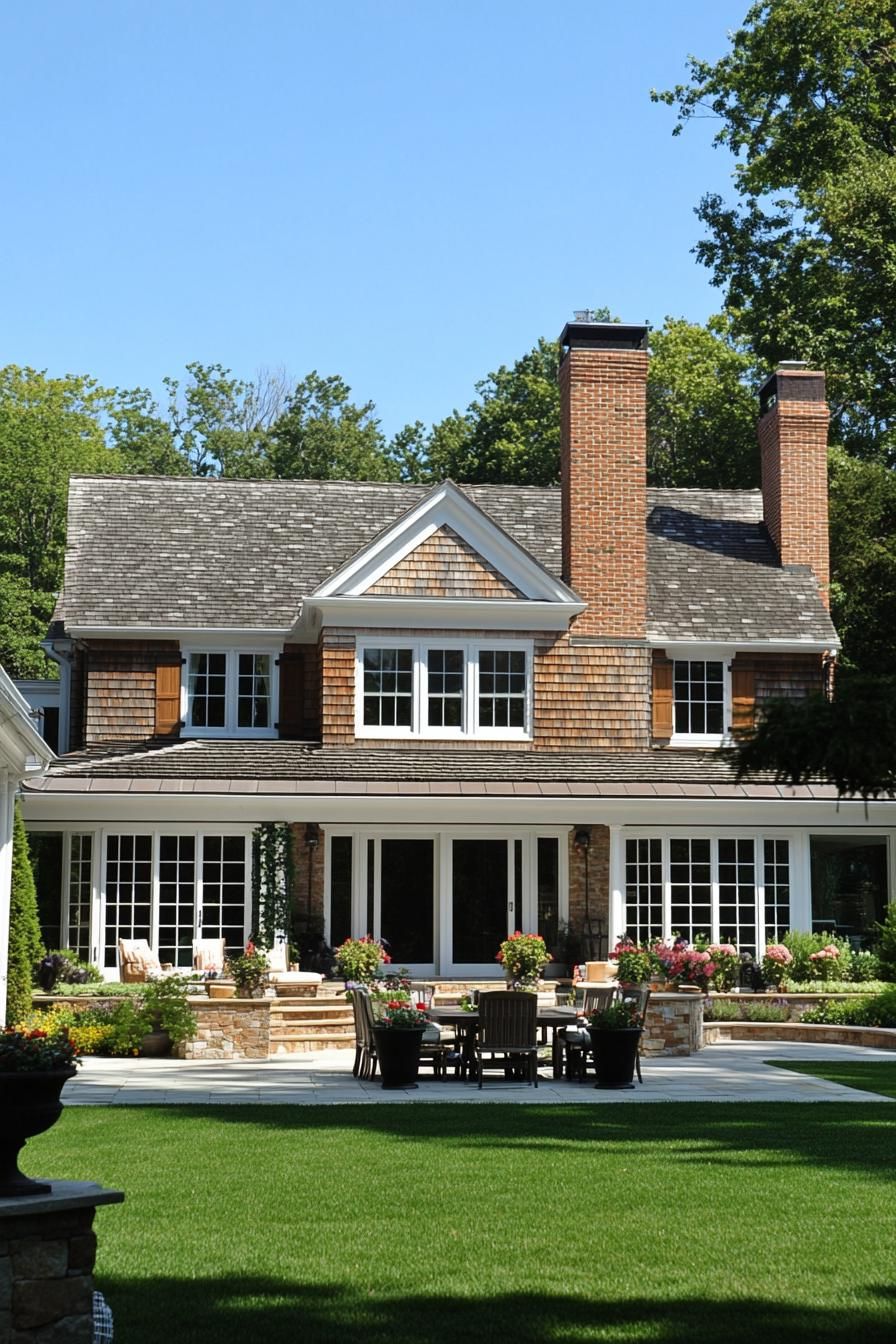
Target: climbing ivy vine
pixel 273 879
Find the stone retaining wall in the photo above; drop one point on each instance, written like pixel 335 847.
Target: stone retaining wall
pixel 674 1025
pixel 229 1029
pixel 720 1033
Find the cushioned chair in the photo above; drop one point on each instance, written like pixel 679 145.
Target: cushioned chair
pixel 209 954
pixel 508 1030
pixel 138 963
pixel 288 982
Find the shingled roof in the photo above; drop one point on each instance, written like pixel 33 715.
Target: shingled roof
pixel 149 552
pixel 294 768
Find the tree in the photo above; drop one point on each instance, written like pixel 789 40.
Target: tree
pixel 25 945
pixel 806 97
pixel 49 428
pixel 323 435
pixel 863 561
pixel 219 425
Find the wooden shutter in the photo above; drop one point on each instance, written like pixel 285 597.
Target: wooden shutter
pixel 292 693
pixel 662 698
pixel 167 699
pixel 743 698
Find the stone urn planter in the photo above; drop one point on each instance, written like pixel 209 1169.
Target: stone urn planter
pixel 398 1052
pixel 615 1050
pixel 29 1104
pixel 221 989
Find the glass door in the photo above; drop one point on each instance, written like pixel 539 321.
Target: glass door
pixel 481 904
pixel 407 902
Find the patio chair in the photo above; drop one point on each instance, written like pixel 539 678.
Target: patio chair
pixel 639 997
pixel 209 954
pixel 508 1028
pixel 286 982
pixel 572 1045
pixel 365 1046
pixel 137 962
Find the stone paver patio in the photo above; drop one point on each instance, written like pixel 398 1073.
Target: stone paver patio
pixel 323 1078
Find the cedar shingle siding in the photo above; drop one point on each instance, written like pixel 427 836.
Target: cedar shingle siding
pixel 120 688
pixel 444 565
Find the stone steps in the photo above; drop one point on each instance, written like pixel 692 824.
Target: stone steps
pixel 304 1024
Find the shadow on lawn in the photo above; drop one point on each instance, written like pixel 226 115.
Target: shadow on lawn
pixel 853 1137
pixel 197 1311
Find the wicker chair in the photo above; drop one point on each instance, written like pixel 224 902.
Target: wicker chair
pixel 508 1029
pixel 639 997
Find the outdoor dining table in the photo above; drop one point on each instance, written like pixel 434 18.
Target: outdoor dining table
pixel 466 1022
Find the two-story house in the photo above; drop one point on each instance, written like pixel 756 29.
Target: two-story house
pixel 480 707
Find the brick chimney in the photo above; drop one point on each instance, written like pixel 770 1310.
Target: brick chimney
pixel 793 442
pixel 603 475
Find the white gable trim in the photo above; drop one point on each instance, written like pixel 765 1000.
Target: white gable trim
pixel 445 613
pixel 445 506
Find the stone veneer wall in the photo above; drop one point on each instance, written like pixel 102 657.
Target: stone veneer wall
pixel 674 1025
pixel 229 1029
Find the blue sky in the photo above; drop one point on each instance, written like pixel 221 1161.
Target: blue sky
pixel 406 192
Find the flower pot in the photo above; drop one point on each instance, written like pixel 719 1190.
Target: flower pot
pixel 615 1051
pixel 156 1044
pixel 220 989
pixel 398 1052
pixel 29 1105
pixel 600 971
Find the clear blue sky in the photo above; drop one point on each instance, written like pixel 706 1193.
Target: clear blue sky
pixel 406 192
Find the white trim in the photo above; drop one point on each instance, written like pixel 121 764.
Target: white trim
pixel 745 645
pixel 704 654
pixel 230 727
pixel 445 505
pixel 445 613
pixel 419 728
pixel 181 632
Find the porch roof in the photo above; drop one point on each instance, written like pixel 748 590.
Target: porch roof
pixel 294 768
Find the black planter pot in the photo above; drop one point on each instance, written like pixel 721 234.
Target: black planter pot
pixel 398 1052
pixel 615 1051
pixel 29 1105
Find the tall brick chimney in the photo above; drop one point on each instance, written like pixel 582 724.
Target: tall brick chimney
pixel 793 442
pixel 603 475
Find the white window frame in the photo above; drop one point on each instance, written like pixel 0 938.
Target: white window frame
pixel 230 727
pixel 470 728
pixel 701 655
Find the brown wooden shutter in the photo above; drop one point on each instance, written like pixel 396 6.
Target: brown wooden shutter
pixel 662 698
pixel 167 699
pixel 292 693
pixel 743 698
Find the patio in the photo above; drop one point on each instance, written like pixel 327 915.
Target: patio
pixel 323 1077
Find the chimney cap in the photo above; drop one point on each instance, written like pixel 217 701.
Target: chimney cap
pixel 792 380
pixel 586 335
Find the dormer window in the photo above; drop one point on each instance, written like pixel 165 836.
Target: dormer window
pixel 228 693
pixel 444 689
pixel 701 701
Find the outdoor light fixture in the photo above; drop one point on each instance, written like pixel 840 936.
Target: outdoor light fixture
pixel 582 839
pixel 312 835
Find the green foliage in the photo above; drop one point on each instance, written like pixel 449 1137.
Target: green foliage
pixel 757 1011
pixel 358 959
pixel 802 944
pixel 837 986
pixel 721 1010
pixel 35 1052
pixel 615 1017
pixel 24 927
pixel 73 965
pixel 165 1003
pixel 701 408
pixel 273 879
pixel 876 1011
pixel 863 563
pixel 248 971
pixel 806 100
pixel 885 943
pixel 323 435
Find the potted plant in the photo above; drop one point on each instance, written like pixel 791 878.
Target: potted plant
pixel 523 956
pixel 633 964
pixel 615 1036
pixel 398 1031
pixel 248 971
pixel 691 969
pixel 34 1068
pixel 170 1019
pixel 359 959
pixel 776 964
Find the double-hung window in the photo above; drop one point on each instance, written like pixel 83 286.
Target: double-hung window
pixel 444 689
pixel 701 701
pixel 229 692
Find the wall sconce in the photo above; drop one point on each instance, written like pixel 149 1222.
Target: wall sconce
pixel 582 839
pixel 312 835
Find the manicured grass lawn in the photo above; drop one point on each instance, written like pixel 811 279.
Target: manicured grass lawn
pixel 437 1224
pixel 867 1075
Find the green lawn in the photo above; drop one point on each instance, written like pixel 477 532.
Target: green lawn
pixel 867 1075
pixel 437 1224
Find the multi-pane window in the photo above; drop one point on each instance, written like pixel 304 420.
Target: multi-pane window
pixel 777 889
pixel 229 692
pixel 502 688
pixel 445 688
pixel 644 889
pixel 388 687
pixel 690 888
pixel 80 890
pixel 177 899
pixel 462 690
pixel 699 689
pixel 128 892
pixel 224 889
pixel 737 894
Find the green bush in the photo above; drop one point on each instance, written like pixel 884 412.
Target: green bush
pixel 866 967
pixel 885 944
pixel 165 1003
pixel 766 1012
pixel 876 1011
pixel 721 1010
pixel 837 987
pixel 25 946
pixel 111 990
pixel 801 944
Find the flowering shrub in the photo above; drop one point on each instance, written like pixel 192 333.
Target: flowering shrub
pixel 35 1051
pixel 248 971
pixel 691 966
pixel 633 963
pixel 358 959
pixel 776 963
pixel 523 956
pixel 727 962
pixel 399 1013
pixel 615 1017
pixel 826 962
